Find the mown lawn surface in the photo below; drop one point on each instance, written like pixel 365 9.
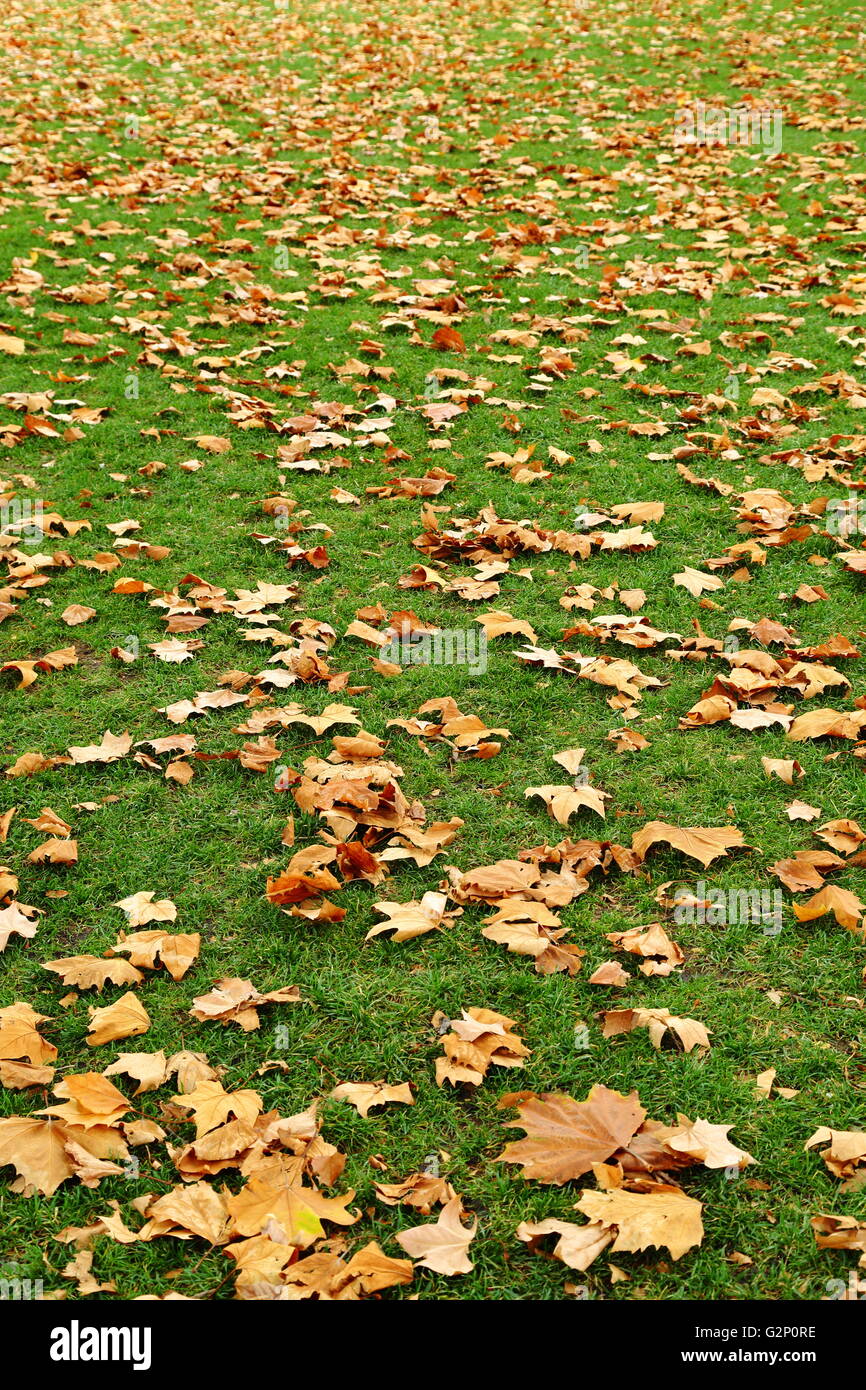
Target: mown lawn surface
pixel 230 202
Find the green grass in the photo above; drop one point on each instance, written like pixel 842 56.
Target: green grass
pixel 311 94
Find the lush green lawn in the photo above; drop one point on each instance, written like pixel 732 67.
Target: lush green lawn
pixel 309 128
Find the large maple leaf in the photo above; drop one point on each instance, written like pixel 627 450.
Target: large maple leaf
pixel 565 1137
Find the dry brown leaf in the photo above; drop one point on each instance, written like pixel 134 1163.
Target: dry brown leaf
pixel 238 1001
pixel 565 1137
pixel 36 1149
pixel 408 920
pixel 365 1095
pixel 667 1219
pixel 124 1019
pixel 576 1247
pixel 441 1245
pixel 149 1069
pixel 141 909
pixel 90 972
pixel 696 841
pixel 845 906
pixel 564 802
pixel 176 951
pixel 686 1033
pixel 112 747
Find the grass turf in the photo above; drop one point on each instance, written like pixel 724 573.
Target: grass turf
pixel 224 98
